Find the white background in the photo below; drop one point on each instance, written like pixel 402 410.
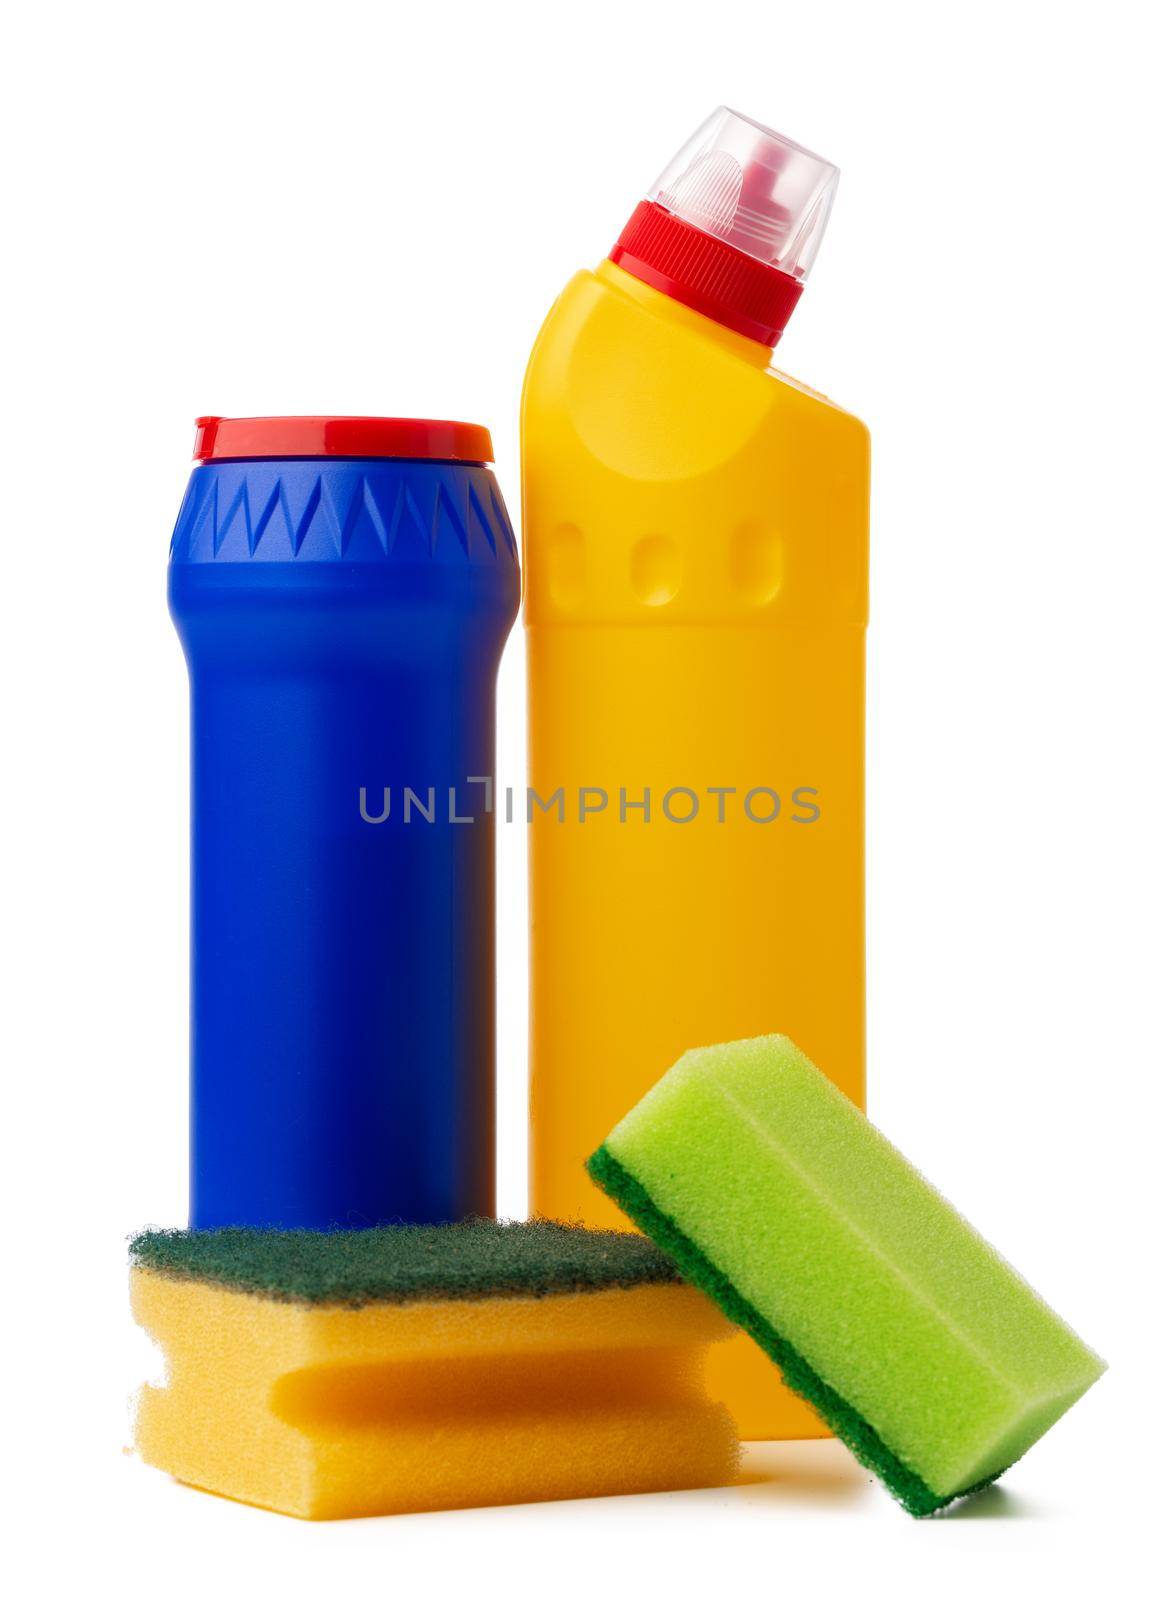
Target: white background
pixel 252 208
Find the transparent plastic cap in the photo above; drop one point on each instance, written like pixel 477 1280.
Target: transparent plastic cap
pixel 741 182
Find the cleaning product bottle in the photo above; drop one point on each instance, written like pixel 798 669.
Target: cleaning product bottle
pixel 695 526
pixel 343 587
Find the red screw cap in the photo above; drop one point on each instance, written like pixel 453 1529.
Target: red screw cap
pixel 413 438
pixel 732 226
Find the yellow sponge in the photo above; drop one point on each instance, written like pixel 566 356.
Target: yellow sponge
pixel 411 1369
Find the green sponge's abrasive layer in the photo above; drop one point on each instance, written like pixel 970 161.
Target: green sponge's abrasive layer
pixel 460 1261
pixel 917 1344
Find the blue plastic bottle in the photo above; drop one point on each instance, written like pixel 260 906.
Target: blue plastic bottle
pixel 343 588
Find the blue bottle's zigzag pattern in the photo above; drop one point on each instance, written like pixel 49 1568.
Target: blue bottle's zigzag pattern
pixel 365 512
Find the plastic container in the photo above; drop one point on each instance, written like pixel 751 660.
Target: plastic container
pixel 696 600
pixel 343 588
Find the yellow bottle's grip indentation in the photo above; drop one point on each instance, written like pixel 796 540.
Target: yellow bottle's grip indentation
pixel 656 570
pixel 756 562
pixel 565 565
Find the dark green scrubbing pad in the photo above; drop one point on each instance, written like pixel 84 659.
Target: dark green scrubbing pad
pixel 477 1259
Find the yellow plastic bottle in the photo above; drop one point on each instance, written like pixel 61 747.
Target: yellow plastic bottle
pixel 695 527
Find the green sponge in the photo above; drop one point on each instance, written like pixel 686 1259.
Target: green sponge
pixel 918 1345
